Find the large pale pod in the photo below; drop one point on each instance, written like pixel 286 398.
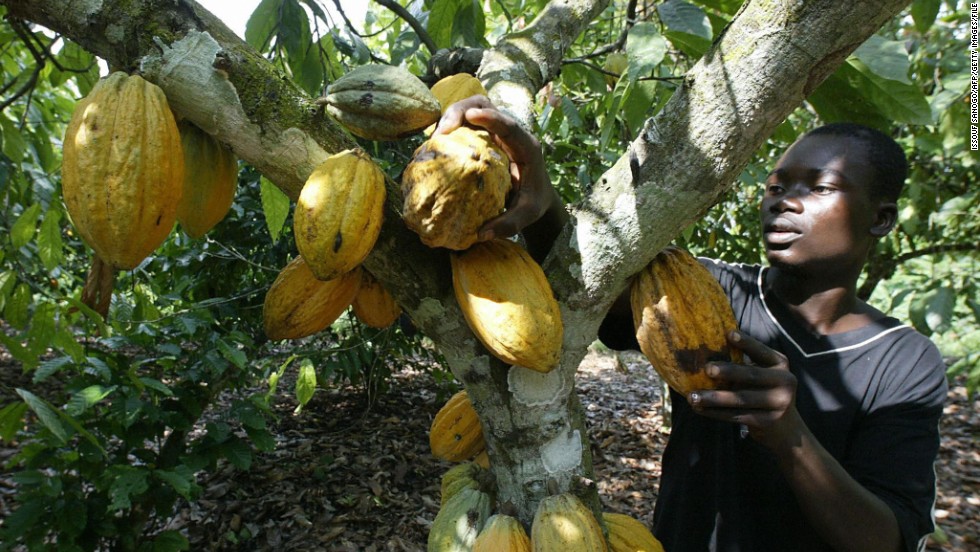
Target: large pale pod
pixel 563 522
pixel 508 303
pixel 123 169
pixel 681 316
pixel 339 213
pixel 454 183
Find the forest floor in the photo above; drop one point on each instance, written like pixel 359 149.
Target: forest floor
pixel 352 475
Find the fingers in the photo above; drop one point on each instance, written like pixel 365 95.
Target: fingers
pixel 759 353
pixel 521 212
pixel 455 114
pixel 521 146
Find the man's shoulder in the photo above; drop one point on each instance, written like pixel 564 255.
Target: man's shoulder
pixel 726 272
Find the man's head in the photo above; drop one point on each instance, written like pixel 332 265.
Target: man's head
pixel 891 167
pixel 830 197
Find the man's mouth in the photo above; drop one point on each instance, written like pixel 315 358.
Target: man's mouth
pixel 778 232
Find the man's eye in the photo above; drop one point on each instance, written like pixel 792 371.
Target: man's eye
pixel 774 189
pixel 823 190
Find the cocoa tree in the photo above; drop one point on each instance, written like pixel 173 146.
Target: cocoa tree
pixel 756 71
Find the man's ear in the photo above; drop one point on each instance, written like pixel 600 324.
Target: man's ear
pixel 885 219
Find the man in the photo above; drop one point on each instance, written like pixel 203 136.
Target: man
pixel 826 438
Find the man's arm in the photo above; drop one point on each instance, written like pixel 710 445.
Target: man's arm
pixel 534 207
pixel 763 398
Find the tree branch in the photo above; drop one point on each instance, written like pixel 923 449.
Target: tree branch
pixel 422 33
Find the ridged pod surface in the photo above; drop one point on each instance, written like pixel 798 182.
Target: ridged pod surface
pixel 508 303
pixel 454 183
pixel 123 169
pixel 210 181
pixel 339 213
pixel 459 521
pixel 382 102
pixel 562 523
pixel 459 477
pixel 502 533
pixel 627 534
pixel 681 316
pixel 456 434
pixel 373 305
pixel 298 304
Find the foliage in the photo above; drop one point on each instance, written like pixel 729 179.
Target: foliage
pixel 104 426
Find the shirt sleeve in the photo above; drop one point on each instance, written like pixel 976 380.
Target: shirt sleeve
pixel 893 450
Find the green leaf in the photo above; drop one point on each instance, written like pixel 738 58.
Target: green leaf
pixel 887 59
pixel 12 420
pixel 469 25
pixel 262 24
pixel 182 480
pixel 231 354
pixel 46 413
pixel 645 49
pixel 23 229
pixel 305 383
pixel 49 244
pixel 17 308
pixel 237 452
pixel 688 27
pixel 901 102
pixel 170 541
pixel 924 14
pixel 442 13
pixel 275 205
pixel 157 386
pixel 294 30
pixel 932 311
pixel 13 145
pixel 50 367
pixel 128 481
pixel 86 398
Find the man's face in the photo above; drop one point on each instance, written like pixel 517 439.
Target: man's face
pixel 817 212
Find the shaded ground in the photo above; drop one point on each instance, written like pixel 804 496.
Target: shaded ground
pixel 348 478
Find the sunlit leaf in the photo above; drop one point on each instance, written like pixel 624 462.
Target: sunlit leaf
pixel 46 414
pixel 275 205
pixel 305 383
pixel 262 24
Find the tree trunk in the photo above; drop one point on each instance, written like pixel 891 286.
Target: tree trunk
pixel 762 67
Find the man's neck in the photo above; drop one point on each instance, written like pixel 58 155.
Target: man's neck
pixel 827 303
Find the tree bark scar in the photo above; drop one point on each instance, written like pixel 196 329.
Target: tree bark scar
pixel 634 167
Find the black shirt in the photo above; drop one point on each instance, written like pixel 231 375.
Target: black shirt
pixel 872 397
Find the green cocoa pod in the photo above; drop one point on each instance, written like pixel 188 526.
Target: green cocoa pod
pixel 382 102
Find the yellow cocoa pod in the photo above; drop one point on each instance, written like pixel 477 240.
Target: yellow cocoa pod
pixel 563 523
pixel 298 304
pixel 373 305
pixel 454 183
pixel 456 434
pixel 459 521
pixel 453 88
pixel 681 316
pixel 210 181
pixel 627 534
pixel 502 533
pixel 508 304
pixel 382 102
pixel 123 169
pixel 339 213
